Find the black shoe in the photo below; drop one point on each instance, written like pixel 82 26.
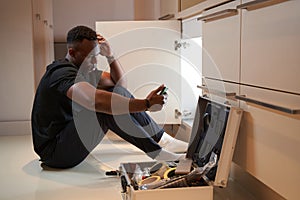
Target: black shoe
pixel 47 168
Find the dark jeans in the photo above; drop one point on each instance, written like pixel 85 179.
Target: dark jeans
pixel 88 128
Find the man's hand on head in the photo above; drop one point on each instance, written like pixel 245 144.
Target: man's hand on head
pixel 105 49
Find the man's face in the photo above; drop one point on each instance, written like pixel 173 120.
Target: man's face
pixel 85 49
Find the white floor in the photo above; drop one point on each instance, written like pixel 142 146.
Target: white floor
pixel 22 178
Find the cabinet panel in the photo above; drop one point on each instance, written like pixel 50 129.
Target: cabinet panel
pixel 221 43
pixel 271 45
pixel 49 37
pixel 17 81
pixel 268 142
pixel 184 4
pixel 220 91
pixel 169 7
pixel 146 51
pixel 191 68
pixel 43 37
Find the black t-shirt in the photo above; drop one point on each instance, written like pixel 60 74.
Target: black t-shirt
pixel 52 109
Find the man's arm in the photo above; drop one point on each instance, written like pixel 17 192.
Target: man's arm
pixel 105 81
pixel 117 72
pixel 116 69
pixel 99 100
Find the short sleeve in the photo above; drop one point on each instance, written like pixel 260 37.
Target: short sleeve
pixel 62 79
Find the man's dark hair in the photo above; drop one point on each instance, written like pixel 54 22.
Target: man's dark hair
pixel 78 33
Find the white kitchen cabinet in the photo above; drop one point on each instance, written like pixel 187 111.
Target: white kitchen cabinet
pixel 185 4
pixel 168 8
pixel 269 140
pixel 19 36
pixel 43 37
pixel 191 68
pixel 269 134
pixel 146 50
pixel 17 75
pixel 221 42
pixel 271 44
pixel 257 58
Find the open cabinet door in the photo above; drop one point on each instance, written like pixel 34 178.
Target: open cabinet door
pixel 146 50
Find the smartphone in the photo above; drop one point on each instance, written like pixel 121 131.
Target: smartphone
pixel 163 91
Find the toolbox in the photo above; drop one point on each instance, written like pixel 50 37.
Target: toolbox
pixel 211 147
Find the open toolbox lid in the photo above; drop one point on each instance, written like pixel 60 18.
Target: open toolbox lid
pixel 215 129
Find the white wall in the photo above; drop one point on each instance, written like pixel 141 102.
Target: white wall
pixel 69 13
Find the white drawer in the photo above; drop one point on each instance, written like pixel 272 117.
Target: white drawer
pixel 221 43
pixel 269 140
pixel 270 46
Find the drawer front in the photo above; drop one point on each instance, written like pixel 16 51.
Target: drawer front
pixel 269 140
pixel 221 43
pixel 220 91
pixel 270 46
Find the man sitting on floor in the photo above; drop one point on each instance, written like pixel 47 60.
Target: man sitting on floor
pixel 76 104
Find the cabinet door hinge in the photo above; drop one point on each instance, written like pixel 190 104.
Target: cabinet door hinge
pixel 178 45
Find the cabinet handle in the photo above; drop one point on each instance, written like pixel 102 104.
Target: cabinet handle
pixel 218 15
pixel 216 92
pixel 252 5
pixel 38 16
pixel 167 16
pixel 268 105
